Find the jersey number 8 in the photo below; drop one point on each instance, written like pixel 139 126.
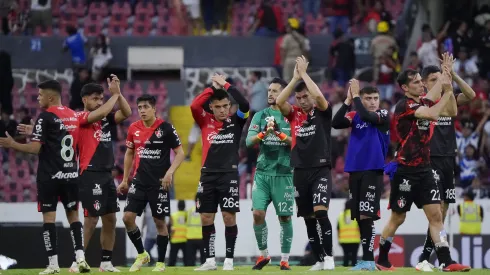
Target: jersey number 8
pixel 67 151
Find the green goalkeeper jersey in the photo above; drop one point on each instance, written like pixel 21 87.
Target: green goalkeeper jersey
pixel 274 156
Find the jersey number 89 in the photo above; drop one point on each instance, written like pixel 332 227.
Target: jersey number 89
pixel 67 151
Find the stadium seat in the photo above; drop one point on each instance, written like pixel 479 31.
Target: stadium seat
pixel 141 29
pixel 117 31
pixel 121 8
pixel 98 8
pixel 43 31
pixel 76 7
pixel 92 29
pixel 145 7
pixel 55 7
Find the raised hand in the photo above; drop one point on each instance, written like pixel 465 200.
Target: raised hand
pixel 219 79
pixel 447 82
pixel 296 75
pixel 302 65
pixel 114 85
pixel 26 129
pixel 354 87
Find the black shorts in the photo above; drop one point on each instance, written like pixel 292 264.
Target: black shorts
pixel 98 194
pixel 411 185
pixel 139 195
pixel 444 167
pixel 365 190
pixel 50 192
pixel 218 189
pixel 313 187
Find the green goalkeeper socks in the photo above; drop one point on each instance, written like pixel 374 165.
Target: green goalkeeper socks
pixel 261 235
pixel 286 236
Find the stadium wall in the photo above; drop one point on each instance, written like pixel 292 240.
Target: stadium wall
pixel 199 51
pixel 468 250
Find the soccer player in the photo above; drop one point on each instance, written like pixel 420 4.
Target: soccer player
pixel 311 124
pixel 443 145
pixel 218 184
pixel 97 190
pixel 368 146
pixel 413 180
pixel 273 180
pixel 148 143
pixel 54 139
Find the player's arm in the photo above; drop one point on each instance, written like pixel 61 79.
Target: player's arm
pixel 39 136
pixel 467 93
pixel 282 98
pixel 434 112
pixel 380 117
pixel 198 112
pixel 243 105
pixel 106 108
pixel 255 134
pixel 173 140
pixel 128 161
pixel 451 109
pixel 342 119
pixel 321 102
pixel 124 110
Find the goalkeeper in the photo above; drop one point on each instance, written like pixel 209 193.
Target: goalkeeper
pixel 273 181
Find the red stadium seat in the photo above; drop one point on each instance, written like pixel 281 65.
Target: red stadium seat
pixel 145 7
pixel 122 8
pixel 76 8
pixel 117 31
pixel 43 31
pixel 98 8
pixel 141 29
pixel 92 29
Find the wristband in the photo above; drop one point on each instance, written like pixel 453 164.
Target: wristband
pixel 261 135
pixel 282 136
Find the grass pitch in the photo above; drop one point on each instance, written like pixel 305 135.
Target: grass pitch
pixel 239 270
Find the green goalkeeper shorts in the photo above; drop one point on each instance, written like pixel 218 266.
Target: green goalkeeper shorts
pixel 276 189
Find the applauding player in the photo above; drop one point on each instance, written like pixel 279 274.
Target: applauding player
pixel 414 181
pixel 97 190
pixel 443 143
pixel 149 142
pixel 273 181
pixel 218 184
pixel 368 146
pixel 310 157
pixel 54 139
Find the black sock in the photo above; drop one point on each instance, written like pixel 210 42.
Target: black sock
pixel 162 243
pixel 367 239
pixel 444 255
pixel 314 239
pixel 231 233
pixel 50 239
pixel 106 256
pixel 325 230
pixel 384 249
pixel 135 237
pixel 428 248
pixel 77 235
pixel 208 238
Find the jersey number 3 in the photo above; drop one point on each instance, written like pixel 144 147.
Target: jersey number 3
pixel 67 151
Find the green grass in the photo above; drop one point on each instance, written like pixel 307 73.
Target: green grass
pixel 239 270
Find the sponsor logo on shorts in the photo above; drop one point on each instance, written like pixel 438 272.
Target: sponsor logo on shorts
pixel 46 205
pixel 200 189
pixel 71 204
pixel 233 181
pixel 401 202
pixel 405 186
pixel 372 187
pixel 323 188
pixel 370 196
pixel 288 196
pixel 324 179
pixel 163 197
pixel 233 191
pixel 132 189
pixel 97 205
pixel 436 175
pixel 97 191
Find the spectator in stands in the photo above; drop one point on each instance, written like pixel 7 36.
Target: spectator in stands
pixel 469 135
pixel 414 62
pixel 7 125
pixel 460 38
pixel 101 54
pixel 193 8
pixel 484 50
pixel 389 67
pixel 15 22
pixel 342 57
pixel 268 20
pixel 258 92
pixel 311 7
pixel 75 42
pixel 470 166
pixel 79 81
pixel 40 14
pixel 215 16
pixel 341 11
pixel 428 52
pixel 382 43
pixel 465 67
pixel 277 54
pixel 293 45
pixel 377 14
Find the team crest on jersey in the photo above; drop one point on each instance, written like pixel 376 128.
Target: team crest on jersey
pixel 401 202
pixel 97 205
pixel 159 133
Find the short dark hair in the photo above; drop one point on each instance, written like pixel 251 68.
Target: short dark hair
pixel 405 77
pixel 218 94
pixel 300 87
pixel 368 90
pixel 71 30
pixel 181 205
pixel 257 74
pixel 152 100
pixel 280 81
pixel 91 88
pixel 432 69
pixel 50 85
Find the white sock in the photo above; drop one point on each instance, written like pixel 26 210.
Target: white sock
pixel 264 253
pixel 284 257
pixel 230 260
pixel 53 260
pixel 211 260
pixel 79 254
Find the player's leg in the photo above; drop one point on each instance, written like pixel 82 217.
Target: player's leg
pixel 207 205
pixel 400 202
pixel 305 209
pixel 367 207
pixel 430 200
pixel 109 207
pixel 47 200
pixel 135 204
pixel 322 192
pixel 229 205
pixel 261 198
pixel 283 200
pixel 69 196
pixel 160 208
